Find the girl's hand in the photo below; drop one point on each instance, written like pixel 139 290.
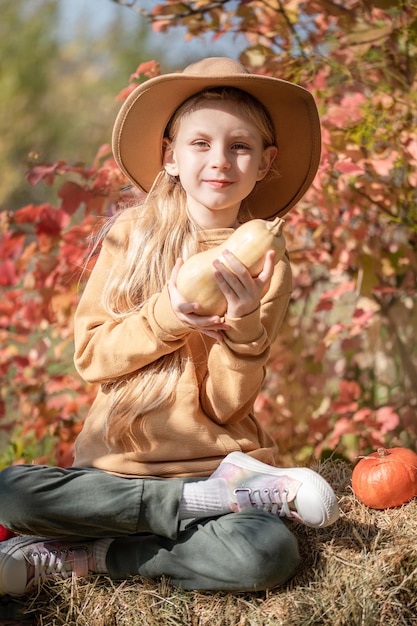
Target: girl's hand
pixel 242 292
pixel 186 311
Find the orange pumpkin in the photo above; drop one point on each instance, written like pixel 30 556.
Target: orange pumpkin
pixel 386 478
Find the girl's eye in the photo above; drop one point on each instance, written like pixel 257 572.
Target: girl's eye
pixel 200 143
pixel 240 147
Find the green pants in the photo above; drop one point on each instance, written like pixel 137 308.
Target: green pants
pixel 236 552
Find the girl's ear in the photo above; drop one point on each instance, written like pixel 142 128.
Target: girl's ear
pixel 269 154
pixel 170 164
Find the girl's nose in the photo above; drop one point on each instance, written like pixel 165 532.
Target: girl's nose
pixel 220 158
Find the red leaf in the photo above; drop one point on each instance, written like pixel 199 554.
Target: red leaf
pixel 160 26
pixel 11 245
pixel 148 69
pixel 387 418
pixel 44 172
pixel 51 221
pixel 349 285
pixel 362 415
pixel 347 167
pixel 8 274
pixel 124 93
pixel 27 214
pixel 72 196
pixel 324 305
pixel 103 152
pixel 342 427
pixel 349 390
pixel 362 317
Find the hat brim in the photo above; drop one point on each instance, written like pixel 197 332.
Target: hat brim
pixel 139 129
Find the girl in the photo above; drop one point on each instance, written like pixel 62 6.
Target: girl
pixel 172 473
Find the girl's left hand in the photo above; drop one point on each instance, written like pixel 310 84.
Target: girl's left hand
pixel 211 325
pixel 242 292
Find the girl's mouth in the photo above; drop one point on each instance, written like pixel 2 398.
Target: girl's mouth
pixel 219 184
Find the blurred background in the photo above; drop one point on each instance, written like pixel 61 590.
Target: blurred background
pixel 62 64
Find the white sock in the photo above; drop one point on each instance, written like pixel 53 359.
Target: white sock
pixel 100 548
pixel 205 498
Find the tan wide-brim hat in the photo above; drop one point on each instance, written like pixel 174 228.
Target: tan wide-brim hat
pixel 139 129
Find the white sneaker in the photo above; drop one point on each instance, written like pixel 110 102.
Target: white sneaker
pixel 298 493
pixel 26 562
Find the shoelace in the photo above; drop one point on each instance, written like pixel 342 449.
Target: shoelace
pixel 58 564
pixel 270 500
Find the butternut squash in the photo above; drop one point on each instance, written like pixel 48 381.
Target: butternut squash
pixel 249 243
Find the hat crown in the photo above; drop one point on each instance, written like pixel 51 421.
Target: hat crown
pixel 215 66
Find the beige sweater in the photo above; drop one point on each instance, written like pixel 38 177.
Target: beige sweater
pixel 213 411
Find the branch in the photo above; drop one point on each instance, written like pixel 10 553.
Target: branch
pixel 376 203
pixel 131 4
pixel 290 27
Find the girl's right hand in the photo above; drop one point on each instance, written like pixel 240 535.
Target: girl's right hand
pixel 212 325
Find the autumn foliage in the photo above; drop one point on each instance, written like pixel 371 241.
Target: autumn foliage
pixel 343 376
pixel 45 251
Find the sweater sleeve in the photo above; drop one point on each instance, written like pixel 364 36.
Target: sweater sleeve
pixel 107 347
pixel 236 368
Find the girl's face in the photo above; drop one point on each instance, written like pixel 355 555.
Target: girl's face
pixel 218 156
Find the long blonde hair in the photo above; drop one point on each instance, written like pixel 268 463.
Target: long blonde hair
pixel 163 232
